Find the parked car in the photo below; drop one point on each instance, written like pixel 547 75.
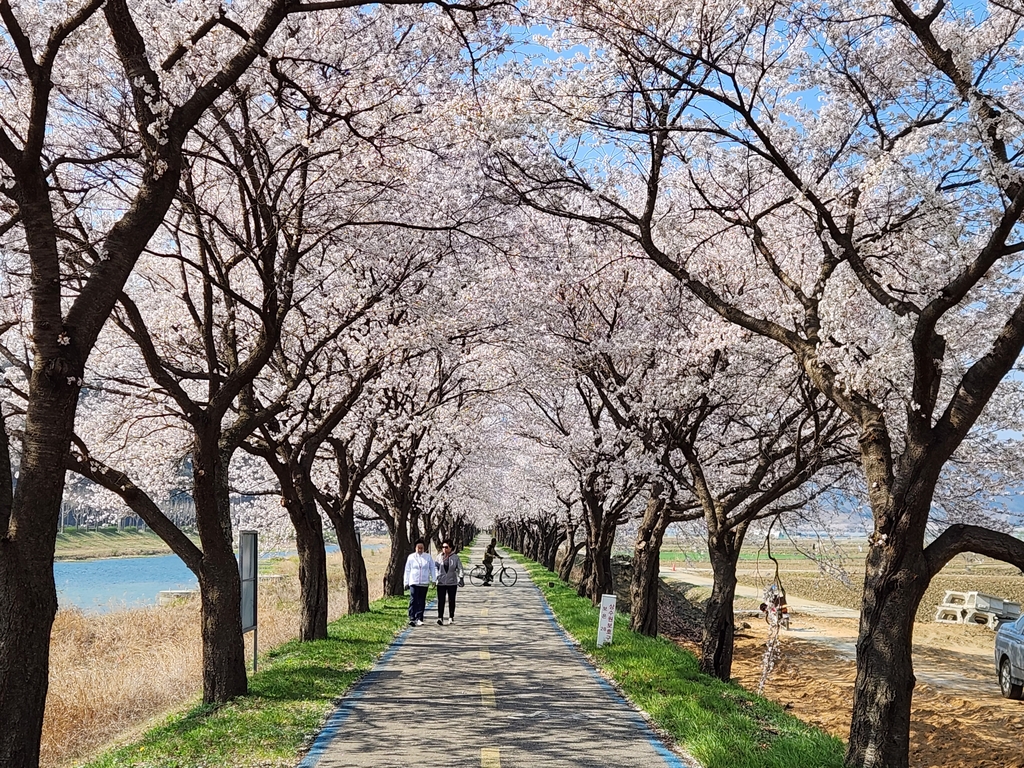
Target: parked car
pixel 1010 658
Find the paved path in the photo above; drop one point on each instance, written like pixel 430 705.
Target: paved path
pixel 500 688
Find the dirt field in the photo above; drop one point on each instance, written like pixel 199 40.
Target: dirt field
pixel 959 719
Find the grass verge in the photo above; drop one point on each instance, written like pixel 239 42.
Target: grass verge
pixel 720 724
pixel 288 699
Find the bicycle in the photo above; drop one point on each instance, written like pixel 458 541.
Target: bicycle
pixel 506 574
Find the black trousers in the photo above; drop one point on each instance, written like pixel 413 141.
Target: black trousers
pixel 444 592
pixel 417 601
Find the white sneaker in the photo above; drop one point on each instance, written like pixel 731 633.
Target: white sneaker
pixel 419 623
pixel 451 620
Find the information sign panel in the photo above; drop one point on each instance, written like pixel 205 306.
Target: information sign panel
pixel 606 621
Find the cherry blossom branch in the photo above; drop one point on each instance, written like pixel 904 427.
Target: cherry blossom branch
pixel 205 28
pixel 84 464
pixel 978 384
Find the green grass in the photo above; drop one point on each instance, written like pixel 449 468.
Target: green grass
pixel 78 544
pixel 720 724
pixel 288 699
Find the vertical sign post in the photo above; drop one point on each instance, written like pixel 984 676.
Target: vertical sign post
pixel 606 621
pixel 248 570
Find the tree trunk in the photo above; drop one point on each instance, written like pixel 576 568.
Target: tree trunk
pixel 223 649
pixel 551 546
pixel 356 584
pixel 400 548
pixel 643 589
pixel 28 603
pixel 28 594
pixel 602 581
pixel 569 560
pixel 893 587
pixel 716 646
pixel 219 584
pixel 309 542
pixel 588 570
pixel 600 539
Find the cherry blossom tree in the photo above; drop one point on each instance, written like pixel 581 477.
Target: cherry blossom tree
pixel 842 182
pixel 420 421
pixel 569 416
pixel 344 352
pixel 730 431
pixel 99 100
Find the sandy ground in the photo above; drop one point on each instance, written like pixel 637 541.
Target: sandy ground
pixel 959 719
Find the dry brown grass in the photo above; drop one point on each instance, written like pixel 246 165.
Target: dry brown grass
pixel 111 673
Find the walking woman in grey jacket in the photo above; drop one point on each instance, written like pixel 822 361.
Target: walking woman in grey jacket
pixel 449 579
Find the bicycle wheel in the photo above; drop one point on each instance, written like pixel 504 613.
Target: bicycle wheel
pixel 508 576
pixel 476 576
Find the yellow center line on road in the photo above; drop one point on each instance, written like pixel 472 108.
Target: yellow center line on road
pixel 483 630
pixel 490 758
pixel 487 695
pixel 483 611
pixel 485 655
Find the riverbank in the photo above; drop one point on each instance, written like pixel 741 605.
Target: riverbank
pixel 112 672
pixel 74 544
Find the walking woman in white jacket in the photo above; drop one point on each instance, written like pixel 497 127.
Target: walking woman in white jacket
pixel 419 574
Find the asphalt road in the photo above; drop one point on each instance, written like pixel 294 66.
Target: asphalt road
pixel 500 688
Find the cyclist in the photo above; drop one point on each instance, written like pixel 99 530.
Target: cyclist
pixel 489 555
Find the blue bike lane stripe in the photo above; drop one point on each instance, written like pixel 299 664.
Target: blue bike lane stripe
pixel 671 758
pixel 350 698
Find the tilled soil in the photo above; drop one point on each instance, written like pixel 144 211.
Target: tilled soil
pixel 959 719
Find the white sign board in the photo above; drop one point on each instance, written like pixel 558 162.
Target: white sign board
pixel 606 622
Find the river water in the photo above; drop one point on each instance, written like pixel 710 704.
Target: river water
pixel 119 583
pixel 100 586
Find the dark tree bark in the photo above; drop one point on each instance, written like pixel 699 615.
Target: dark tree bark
pixel 565 567
pixel 394 573
pixel 292 468
pixel 716 648
pixel 601 527
pixel 553 538
pixel 645 582
pixel 309 543
pixel 28 595
pixel 885 674
pixel 586 571
pixel 341 511
pixel 356 584
pixel 6 477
